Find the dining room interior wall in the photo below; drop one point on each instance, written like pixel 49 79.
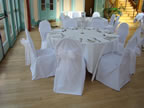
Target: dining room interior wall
pixel 79 5
pixel 25 14
pixel 35 8
pixel 67 5
pixel 58 8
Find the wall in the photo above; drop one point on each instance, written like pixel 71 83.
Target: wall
pixel 67 5
pixel 79 5
pixel 35 8
pixel 99 6
pixel 25 14
pixel 58 7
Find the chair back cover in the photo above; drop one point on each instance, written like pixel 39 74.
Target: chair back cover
pixel 62 16
pixel 133 45
pixel 70 71
pixel 139 17
pixel 32 47
pixel 113 70
pixel 112 19
pixel 123 31
pixel 115 26
pixel 44 28
pixel 134 41
pixel 76 14
pixel 97 22
pixel 96 14
pixel 117 19
pixel 64 19
pixel 70 23
pixel 69 14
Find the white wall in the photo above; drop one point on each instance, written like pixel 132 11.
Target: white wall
pixel 67 5
pixel 79 5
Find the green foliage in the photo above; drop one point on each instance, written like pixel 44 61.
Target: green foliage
pixel 109 11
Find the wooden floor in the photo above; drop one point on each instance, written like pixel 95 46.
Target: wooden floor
pixel 17 90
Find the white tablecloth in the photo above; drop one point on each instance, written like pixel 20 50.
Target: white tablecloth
pixel 95 43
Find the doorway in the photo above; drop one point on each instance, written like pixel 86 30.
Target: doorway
pixel 89 7
pixel 47 9
pixel 9 24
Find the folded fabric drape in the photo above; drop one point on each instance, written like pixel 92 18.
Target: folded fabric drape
pixel 70 71
pixel 25 43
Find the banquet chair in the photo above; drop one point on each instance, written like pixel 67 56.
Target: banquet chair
pixel 113 70
pixel 70 23
pixel 76 14
pixel 112 28
pixel 139 17
pixel 98 23
pixel 134 46
pixel 44 28
pixel 123 31
pixel 64 19
pixel 70 71
pixel 112 19
pixel 117 19
pixel 62 16
pixel 96 14
pixel 43 61
pixel 69 14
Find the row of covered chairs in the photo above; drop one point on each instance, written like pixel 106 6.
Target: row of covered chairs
pixel 96 22
pixel 77 14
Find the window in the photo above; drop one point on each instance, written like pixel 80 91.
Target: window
pixel 43 5
pixel 51 4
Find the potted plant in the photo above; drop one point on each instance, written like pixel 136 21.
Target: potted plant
pixel 109 11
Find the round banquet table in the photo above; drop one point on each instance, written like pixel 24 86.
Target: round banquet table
pixel 95 43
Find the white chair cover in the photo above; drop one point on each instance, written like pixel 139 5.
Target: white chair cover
pixel 112 19
pixel 70 23
pixel 98 23
pixel 43 62
pixel 139 17
pixel 44 28
pixel 112 28
pixel 96 14
pixel 62 16
pixel 117 19
pixel 64 19
pixel 123 31
pixel 70 72
pixel 69 14
pixel 76 14
pixel 133 45
pixel 113 70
